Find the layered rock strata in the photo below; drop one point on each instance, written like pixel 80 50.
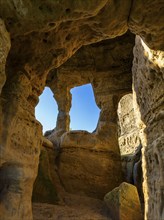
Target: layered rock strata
pixel 88 164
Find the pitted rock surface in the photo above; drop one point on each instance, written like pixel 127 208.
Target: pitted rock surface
pixel 43 36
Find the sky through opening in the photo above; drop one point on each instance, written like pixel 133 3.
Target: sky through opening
pixel 84 112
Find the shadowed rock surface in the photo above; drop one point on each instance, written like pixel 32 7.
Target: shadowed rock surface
pixel 44 35
pixel 74 208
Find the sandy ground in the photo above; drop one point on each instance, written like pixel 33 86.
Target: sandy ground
pixel 72 208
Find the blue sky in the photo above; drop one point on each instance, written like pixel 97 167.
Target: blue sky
pixel 84 112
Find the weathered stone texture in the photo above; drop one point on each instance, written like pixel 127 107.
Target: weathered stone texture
pixel 123 203
pixel 128 131
pixel 43 36
pixel 88 165
pixel 100 65
pixel 19 155
pixel 146 20
pixel 110 77
pixel 148 79
pixel 45 188
pixel 20 141
pixel 4 49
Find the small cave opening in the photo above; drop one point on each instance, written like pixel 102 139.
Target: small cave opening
pixel 47 110
pixel 84 113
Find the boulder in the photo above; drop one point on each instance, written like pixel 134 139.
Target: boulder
pixel 87 166
pixel 123 203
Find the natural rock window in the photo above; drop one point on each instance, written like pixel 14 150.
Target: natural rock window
pixel 84 113
pixel 46 111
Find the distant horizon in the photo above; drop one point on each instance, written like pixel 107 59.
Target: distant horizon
pixel 84 113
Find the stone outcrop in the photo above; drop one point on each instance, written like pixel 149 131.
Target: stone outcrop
pixel 88 164
pixel 123 203
pixel 148 82
pixel 43 36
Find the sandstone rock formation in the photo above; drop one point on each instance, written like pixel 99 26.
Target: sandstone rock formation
pixel 130 144
pixel 100 65
pixel 4 49
pixel 43 36
pixel 148 66
pixel 82 147
pixel 123 203
pixel 128 133
pixel 45 186
pixel 88 164
pixel 132 171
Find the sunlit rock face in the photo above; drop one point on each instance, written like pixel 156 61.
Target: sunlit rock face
pixel 43 36
pixel 128 133
pixel 148 79
pixel 123 202
pixel 130 143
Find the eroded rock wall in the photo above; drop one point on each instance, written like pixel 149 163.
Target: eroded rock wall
pixel 128 133
pixel 148 79
pixel 4 49
pixel 88 164
pixel 100 65
pixel 47 186
pixel 20 147
pixel 81 153
pixel 43 36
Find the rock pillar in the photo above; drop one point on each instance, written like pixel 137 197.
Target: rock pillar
pixel 20 141
pixel 148 75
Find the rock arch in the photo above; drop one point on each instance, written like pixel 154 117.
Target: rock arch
pixel 41 41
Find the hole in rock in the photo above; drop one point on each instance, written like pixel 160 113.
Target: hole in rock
pixel 46 111
pixel 52 24
pixel 84 113
pixel 68 10
pixel 44 41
